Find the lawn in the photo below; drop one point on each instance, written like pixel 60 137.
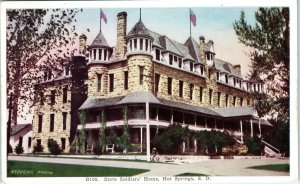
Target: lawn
pixel 273 167
pixel 191 174
pixel 39 169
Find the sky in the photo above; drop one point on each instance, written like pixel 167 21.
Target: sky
pixel 213 23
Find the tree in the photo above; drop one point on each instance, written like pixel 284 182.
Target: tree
pixel 269 43
pixel 102 138
pixel 53 147
pixel 19 149
pixel 37 39
pixel 37 149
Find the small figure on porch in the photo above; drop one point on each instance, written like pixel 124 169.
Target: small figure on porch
pixel 154 156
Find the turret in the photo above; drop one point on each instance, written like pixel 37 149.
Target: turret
pixel 99 49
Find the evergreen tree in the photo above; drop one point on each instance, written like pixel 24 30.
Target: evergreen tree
pixel 268 40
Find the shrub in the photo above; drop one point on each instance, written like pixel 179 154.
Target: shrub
pixel 19 149
pixel 212 142
pixel 254 145
pixel 124 141
pixel 37 149
pixel 170 141
pixel 53 147
pixel 97 149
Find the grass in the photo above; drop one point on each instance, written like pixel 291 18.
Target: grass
pixel 273 167
pixel 40 169
pixel 191 174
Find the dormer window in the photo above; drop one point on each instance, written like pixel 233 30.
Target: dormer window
pixel 157 54
pixel 226 78
pixel 170 59
pixel 67 71
pixel 201 70
pixel 175 59
pixel 50 75
pixel 208 56
pixel 218 76
pixel 234 81
pixel 191 66
pixel 180 63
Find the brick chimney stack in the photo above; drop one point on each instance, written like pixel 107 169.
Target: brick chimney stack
pixel 121 35
pixel 238 68
pixel 202 48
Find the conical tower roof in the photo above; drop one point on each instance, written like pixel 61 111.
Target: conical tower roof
pixel 99 42
pixel 139 30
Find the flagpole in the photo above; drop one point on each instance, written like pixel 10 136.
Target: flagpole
pixel 100 19
pixel 190 24
pixel 140 13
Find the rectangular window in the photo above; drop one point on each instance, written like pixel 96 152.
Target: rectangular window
pixel 169 85
pixel 226 79
pixel 201 94
pixel 170 59
pixel 65 94
pixel 41 98
pixel 91 54
pixel 21 140
pixel 52 97
pixel 201 70
pixel 45 76
pixel 241 102
pixel 226 100
pixel 125 80
pixel 29 142
pixel 219 99
pixel 40 123
pixel 175 59
pixel 111 82
pixel 146 44
pixel 210 96
pixel 234 81
pixel 39 142
pixel 51 122
pixel 240 84
pixel 135 44
pixel 157 54
pixel 49 75
pixel 94 50
pixel 99 82
pixel 233 101
pixel 105 54
pixel 157 78
pixel 191 66
pixel 191 91
pixel 64 120
pixel 100 54
pixel 209 73
pixel 180 63
pixel 180 88
pixel 218 76
pixel 141 44
pixel 141 74
pixel 67 71
pixel 63 143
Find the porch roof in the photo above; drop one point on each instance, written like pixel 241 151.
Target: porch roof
pixel 184 106
pixel 139 97
pixel 228 112
pixel 92 103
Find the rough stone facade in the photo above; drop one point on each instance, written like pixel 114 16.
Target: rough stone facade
pixel 57 109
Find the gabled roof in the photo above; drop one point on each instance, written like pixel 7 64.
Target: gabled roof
pixel 225 67
pixel 139 30
pixel 194 49
pixel 209 46
pixel 99 42
pixel 19 127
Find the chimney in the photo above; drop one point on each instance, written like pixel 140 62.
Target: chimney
pixel 202 48
pixel 121 35
pixel 238 68
pixel 82 44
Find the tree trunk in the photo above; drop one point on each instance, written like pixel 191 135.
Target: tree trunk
pixel 16 91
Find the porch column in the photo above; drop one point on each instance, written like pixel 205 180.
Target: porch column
pixel 215 123
pixel 157 120
pixel 241 125
pixel 251 123
pixel 172 120
pixel 259 127
pixel 141 139
pixel 148 131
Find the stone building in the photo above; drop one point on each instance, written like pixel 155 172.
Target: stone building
pixel 159 80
